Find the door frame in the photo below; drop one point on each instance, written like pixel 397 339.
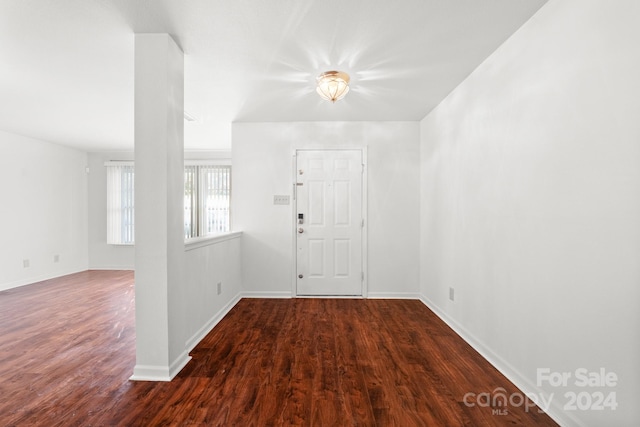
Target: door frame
pixel 294 216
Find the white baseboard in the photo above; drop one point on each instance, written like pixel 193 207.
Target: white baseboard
pixel 259 294
pixel 371 295
pixel 207 327
pixel 167 373
pixel 393 295
pixel 179 363
pixel 160 373
pixel 512 374
pixel 40 278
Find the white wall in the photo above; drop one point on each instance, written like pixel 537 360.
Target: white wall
pixel 217 261
pixel 262 168
pixel 43 212
pixel 530 204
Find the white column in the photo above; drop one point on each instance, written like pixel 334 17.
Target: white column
pixel 159 222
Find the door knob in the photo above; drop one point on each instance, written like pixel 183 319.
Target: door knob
pixel 300 276
pixel 300 230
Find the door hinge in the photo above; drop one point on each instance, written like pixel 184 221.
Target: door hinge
pixel 362 276
pixel 362 225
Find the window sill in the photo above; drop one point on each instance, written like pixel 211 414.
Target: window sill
pixel 199 242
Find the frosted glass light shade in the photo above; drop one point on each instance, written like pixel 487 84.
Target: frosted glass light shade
pixel 333 85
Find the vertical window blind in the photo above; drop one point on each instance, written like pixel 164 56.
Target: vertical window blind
pixel 120 198
pixel 207 199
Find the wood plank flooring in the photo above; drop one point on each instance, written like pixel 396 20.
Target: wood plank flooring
pixel 67 349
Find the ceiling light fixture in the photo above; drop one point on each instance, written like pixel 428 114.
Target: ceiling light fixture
pixel 333 85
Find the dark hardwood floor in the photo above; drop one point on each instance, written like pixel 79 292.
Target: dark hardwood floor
pixel 67 349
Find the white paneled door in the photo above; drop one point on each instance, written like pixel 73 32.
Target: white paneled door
pixel 329 222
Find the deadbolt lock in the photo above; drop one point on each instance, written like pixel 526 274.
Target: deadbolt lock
pixel 300 276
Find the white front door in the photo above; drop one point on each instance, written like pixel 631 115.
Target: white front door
pixel 329 222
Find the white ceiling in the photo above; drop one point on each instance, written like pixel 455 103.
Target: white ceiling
pixel 66 66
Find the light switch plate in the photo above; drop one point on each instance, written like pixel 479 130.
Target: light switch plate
pixel 281 200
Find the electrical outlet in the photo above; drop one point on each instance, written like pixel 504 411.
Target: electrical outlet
pixel 219 288
pixel 281 200
pixel 451 294
pixel 25 263
pixel 56 258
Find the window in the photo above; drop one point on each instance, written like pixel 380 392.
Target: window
pixel 120 203
pixel 207 196
pixel 207 191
